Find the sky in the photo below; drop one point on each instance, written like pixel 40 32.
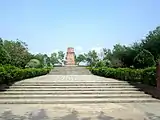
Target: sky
pixel 51 25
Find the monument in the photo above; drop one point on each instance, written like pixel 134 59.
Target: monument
pixel 70 56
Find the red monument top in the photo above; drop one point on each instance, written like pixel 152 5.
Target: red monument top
pixel 70 50
pixel 70 60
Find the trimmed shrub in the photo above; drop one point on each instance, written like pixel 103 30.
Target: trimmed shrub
pixel 145 76
pixel 10 74
pixel 149 76
pixel 33 63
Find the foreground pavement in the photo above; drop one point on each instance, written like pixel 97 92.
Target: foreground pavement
pixel 60 96
pixel 107 111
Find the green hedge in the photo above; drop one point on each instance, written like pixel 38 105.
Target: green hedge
pixel 145 76
pixel 10 74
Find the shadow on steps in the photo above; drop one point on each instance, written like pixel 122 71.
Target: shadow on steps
pixel 4 87
pixel 153 91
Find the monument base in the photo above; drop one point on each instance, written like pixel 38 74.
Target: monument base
pixel 70 65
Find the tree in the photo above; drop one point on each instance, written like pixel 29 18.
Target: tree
pixel 54 58
pixel 144 59
pixel 121 56
pixel 115 63
pixel 4 56
pixel 80 58
pixel 114 58
pixel 18 52
pixel 47 61
pixel 91 57
pixel 107 54
pixel 1 42
pixel 61 55
pixel 152 42
pixel 129 53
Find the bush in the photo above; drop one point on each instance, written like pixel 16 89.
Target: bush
pixel 146 76
pixel 100 63
pixel 10 74
pixel 144 59
pixel 33 63
pixel 149 76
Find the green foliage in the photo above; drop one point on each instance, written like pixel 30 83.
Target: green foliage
pixel 10 74
pixel 40 57
pixel 144 59
pixel 100 63
pixel 61 56
pixel 57 58
pixel 91 57
pixel 121 56
pixel 18 52
pixel 127 56
pixel 4 56
pixel 115 63
pixel 80 58
pixel 149 76
pixel 146 76
pixel 33 63
pixel 47 61
pixel 152 42
pixel 54 58
pixel 124 55
pixel 16 55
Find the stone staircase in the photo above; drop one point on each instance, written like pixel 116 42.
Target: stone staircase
pixel 62 87
pixel 70 70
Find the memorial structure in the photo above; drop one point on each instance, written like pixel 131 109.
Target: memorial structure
pixel 70 56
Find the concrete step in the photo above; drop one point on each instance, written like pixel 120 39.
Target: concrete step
pixel 70 73
pixel 71 82
pixel 28 87
pixel 69 70
pixel 77 101
pixel 68 92
pixel 79 96
pixel 72 89
pixel 68 84
pixel 73 70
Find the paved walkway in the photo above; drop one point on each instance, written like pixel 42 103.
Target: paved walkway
pixel 66 94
